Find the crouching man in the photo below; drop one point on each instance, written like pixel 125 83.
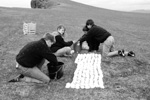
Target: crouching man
pixel 31 58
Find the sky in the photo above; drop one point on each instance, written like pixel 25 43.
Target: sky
pixel 15 3
pixel 121 5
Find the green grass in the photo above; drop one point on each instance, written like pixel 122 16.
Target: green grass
pixel 124 78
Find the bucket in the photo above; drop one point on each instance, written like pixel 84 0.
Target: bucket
pixel 77 47
pixel 55 72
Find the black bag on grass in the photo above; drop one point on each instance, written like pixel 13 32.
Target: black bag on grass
pixel 55 72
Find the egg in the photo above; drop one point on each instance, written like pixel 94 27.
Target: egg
pixel 77 86
pixel 68 85
pixel 82 86
pixel 72 85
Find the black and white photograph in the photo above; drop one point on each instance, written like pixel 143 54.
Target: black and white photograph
pixel 75 50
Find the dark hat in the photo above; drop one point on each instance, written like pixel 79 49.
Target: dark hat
pixel 90 22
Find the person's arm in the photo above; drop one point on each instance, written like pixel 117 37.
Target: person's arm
pixel 90 34
pixel 87 36
pixel 48 55
pixel 61 40
pixel 84 35
pixel 83 38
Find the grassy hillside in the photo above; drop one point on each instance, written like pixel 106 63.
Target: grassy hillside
pixel 142 11
pixel 124 78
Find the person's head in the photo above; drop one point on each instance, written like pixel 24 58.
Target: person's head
pixel 89 23
pixel 49 39
pixel 85 29
pixel 61 29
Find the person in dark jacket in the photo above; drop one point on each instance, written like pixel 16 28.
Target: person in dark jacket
pixel 96 35
pixel 85 44
pixel 31 58
pixel 61 47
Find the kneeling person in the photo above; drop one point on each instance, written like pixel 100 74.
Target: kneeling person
pixel 96 35
pixel 31 58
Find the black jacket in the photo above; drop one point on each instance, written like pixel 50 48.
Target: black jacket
pixel 60 43
pixel 97 33
pixel 34 52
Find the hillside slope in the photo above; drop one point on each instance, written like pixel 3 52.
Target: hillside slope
pixel 124 78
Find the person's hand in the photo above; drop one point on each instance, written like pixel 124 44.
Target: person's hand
pixel 78 42
pixel 74 41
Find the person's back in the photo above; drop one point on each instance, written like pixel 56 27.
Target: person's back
pixel 31 53
pixel 98 33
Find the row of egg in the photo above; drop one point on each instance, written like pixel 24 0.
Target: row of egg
pixel 88 74
pixel 88 58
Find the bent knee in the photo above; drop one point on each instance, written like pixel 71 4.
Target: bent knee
pixel 67 48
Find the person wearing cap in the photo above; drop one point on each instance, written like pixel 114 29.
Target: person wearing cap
pixel 84 45
pixel 31 58
pixel 96 35
pixel 61 47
